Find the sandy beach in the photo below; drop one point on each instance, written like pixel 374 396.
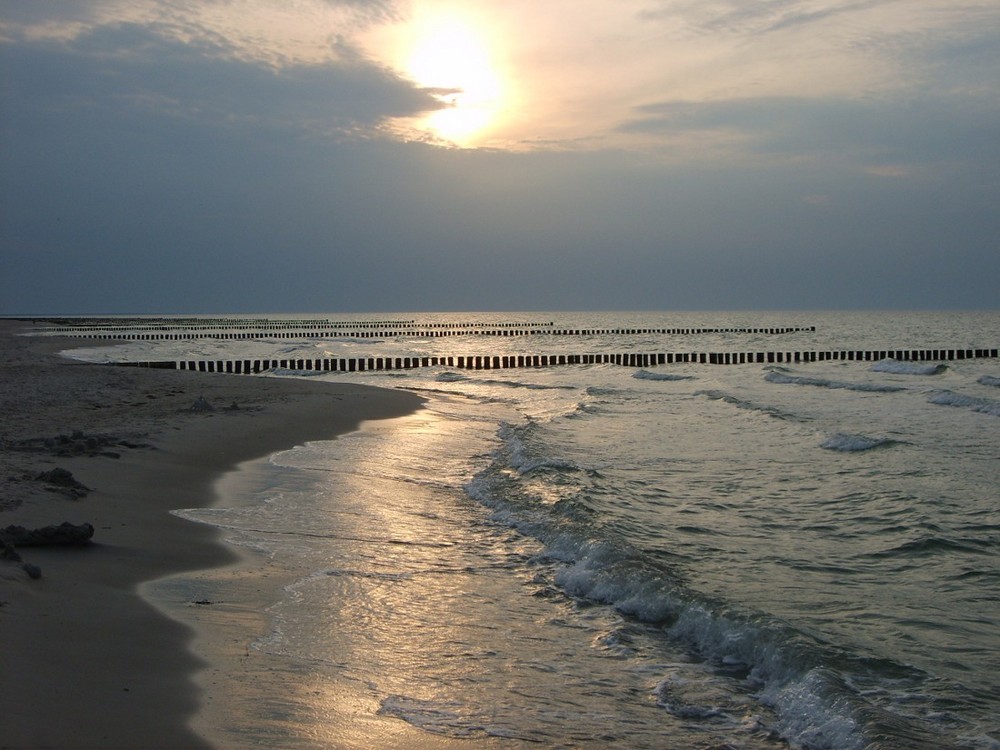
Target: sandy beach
pixel 87 662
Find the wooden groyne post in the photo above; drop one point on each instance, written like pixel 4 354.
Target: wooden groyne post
pixel 385 330
pixel 511 361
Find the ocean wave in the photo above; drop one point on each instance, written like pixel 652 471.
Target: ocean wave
pixel 975 403
pixel 907 368
pixel 647 375
pixel 992 380
pixel 539 464
pixel 849 443
pixel 451 377
pixel 813 708
pixel 784 379
pixel 520 458
pixel 740 403
pixel 935 545
pixel 777 661
pixel 795 676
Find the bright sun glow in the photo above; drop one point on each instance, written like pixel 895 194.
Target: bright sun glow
pixel 451 55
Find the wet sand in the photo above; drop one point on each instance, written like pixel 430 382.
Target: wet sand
pixel 87 661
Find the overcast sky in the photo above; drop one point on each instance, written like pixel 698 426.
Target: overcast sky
pixel 381 155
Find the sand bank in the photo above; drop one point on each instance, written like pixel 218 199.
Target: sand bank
pixel 86 661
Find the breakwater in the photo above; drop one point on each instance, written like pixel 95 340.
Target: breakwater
pixel 502 362
pixel 264 327
pixel 423 330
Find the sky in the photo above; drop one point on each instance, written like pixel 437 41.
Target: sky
pixel 214 156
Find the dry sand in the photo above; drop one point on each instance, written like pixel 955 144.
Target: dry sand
pixel 86 661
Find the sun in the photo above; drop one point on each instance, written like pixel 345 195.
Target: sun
pixel 451 56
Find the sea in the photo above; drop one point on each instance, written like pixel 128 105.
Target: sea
pixel 741 557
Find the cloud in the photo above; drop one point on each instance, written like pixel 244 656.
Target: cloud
pixel 16 15
pixel 118 71
pixel 811 48
pixel 742 17
pixel 866 132
pixel 165 163
pixel 747 18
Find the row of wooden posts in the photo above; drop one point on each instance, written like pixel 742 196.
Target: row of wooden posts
pixel 437 333
pixel 500 362
pixel 84 326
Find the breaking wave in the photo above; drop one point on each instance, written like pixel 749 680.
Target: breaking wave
pixel 521 458
pixel 805 682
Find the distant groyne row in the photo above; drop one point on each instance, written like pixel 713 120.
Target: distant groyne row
pixel 165 325
pixel 200 326
pixel 445 329
pixel 502 362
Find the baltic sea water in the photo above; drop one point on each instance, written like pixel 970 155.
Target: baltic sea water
pixel 746 556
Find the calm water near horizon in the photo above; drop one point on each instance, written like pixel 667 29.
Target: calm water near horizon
pixel 685 556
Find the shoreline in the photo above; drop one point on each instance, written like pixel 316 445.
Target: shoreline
pixel 88 662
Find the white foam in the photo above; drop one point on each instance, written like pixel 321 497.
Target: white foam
pixel 633 592
pixel 520 459
pixel 808 718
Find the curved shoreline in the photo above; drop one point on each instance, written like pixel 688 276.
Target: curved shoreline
pixel 87 661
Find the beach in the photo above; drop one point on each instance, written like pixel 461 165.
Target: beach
pixel 87 662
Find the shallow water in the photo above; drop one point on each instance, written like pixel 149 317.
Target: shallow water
pixel 748 556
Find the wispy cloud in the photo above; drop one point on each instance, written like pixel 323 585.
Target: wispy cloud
pixel 892 132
